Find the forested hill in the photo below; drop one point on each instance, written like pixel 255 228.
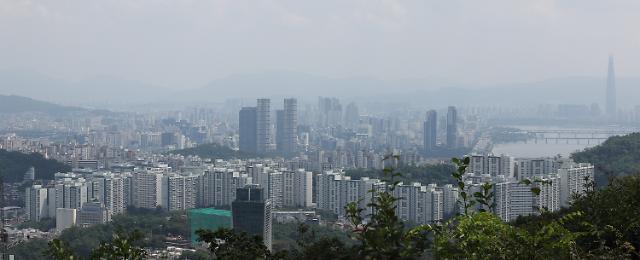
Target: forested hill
pixel 13 165
pixel 617 156
pixel 18 104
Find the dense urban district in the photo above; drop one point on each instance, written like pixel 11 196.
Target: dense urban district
pixel 319 181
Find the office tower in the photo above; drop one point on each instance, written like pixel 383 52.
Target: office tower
pixel 430 131
pixel 280 139
pixel 452 127
pixel 36 205
pixel 248 130
pixel 93 213
pixel 330 111
pixel 147 189
pixel 351 116
pixel 611 90
pixel 286 129
pixel 263 125
pixel 251 213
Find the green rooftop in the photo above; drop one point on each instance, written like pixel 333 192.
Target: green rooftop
pixel 211 211
pixel 207 218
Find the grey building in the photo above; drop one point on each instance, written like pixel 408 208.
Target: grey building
pixel 248 130
pixel 286 127
pixel 430 131
pixel 611 90
pixel 263 125
pixel 93 213
pixel 452 127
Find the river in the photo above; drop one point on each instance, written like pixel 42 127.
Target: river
pixel 551 144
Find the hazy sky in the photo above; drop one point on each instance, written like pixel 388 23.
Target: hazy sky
pixel 186 43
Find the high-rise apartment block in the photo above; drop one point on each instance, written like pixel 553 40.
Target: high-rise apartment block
pixel 147 191
pixel 335 190
pixel 418 203
pixel 36 204
pixel 492 165
pixel 575 178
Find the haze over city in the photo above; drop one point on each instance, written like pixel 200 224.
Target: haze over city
pixel 175 46
pixel 338 129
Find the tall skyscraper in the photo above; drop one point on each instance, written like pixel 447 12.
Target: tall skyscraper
pixel 430 131
pixel 452 127
pixel 251 213
pixel 248 129
pixel 352 116
pixel 263 125
pixel 611 90
pixel 330 111
pixel 286 127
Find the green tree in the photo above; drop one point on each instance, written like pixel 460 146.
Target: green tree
pixel 227 244
pixel 59 250
pixel 382 235
pixel 121 247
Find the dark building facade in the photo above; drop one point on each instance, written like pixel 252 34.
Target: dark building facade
pixel 286 127
pixel 251 213
pixel 430 131
pixel 452 127
pixel 248 130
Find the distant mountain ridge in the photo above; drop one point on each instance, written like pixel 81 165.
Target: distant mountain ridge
pixel 19 104
pixel 421 92
pixel 87 92
pixel 425 92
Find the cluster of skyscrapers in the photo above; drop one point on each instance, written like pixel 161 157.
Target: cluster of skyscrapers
pixel 255 134
pixel 431 130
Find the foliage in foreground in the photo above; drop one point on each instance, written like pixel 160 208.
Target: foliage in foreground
pixel 584 231
pixel 122 246
pixel 431 173
pixel 601 224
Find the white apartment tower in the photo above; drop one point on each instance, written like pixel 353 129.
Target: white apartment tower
pixel 36 205
pixel 147 189
pixel 574 179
